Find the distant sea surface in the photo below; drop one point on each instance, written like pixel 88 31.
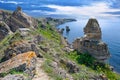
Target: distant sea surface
pixel 110 35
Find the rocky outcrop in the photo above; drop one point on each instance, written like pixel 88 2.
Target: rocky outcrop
pixel 72 67
pixel 16 61
pixel 91 41
pixel 19 48
pixel 67 29
pixel 92 30
pixel 14 77
pixel 21 20
pixel 4 30
pixel 25 62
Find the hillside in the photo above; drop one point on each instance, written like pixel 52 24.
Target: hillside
pixel 35 50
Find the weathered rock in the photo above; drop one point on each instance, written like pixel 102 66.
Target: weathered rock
pixel 4 30
pixel 14 77
pixel 19 48
pixel 4 15
pixel 91 42
pixel 61 71
pixel 72 67
pixel 38 39
pixel 20 20
pixel 23 62
pixel 24 32
pixel 45 49
pixel 92 30
pixel 99 77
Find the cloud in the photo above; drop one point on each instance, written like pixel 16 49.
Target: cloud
pixel 94 10
pixel 11 2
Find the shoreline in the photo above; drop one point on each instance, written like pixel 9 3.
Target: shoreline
pixel 69 44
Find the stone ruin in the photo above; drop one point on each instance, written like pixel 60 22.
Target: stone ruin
pixel 92 42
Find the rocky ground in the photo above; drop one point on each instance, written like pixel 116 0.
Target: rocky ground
pixel 34 50
pixel 40 73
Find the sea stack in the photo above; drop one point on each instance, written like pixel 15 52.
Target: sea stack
pixel 92 42
pixel 67 29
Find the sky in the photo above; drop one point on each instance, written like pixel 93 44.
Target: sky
pixel 103 9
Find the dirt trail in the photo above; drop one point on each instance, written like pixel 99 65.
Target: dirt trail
pixel 40 74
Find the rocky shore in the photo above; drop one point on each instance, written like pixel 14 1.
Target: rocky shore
pixel 32 49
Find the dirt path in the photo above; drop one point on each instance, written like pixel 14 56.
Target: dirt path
pixel 40 74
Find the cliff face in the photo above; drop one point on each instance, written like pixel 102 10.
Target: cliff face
pixel 91 41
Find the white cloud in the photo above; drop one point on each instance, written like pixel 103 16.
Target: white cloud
pixel 93 10
pixel 12 2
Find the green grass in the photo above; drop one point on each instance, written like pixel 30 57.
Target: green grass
pixel 49 33
pixel 5 43
pixel 89 67
pixel 90 62
pixel 12 71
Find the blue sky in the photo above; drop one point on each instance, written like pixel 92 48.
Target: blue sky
pixel 104 9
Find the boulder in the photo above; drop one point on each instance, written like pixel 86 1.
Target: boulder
pixel 73 68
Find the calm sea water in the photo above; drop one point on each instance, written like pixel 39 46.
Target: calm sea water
pixel 110 35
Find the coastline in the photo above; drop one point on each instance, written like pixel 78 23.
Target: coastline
pixel 69 44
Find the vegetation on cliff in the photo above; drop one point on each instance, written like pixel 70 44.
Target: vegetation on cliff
pixel 59 62
pixel 90 68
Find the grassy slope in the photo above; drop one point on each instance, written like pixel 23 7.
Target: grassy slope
pixel 85 62
pixel 52 41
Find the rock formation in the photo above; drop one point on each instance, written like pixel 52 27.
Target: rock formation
pixel 92 30
pixel 19 48
pixel 67 29
pixel 21 20
pixel 91 41
pixel 23 62
pixel 4 30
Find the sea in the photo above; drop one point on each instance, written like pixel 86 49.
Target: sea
pixel 110 35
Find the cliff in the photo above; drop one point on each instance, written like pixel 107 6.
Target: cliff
pixel 40 53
